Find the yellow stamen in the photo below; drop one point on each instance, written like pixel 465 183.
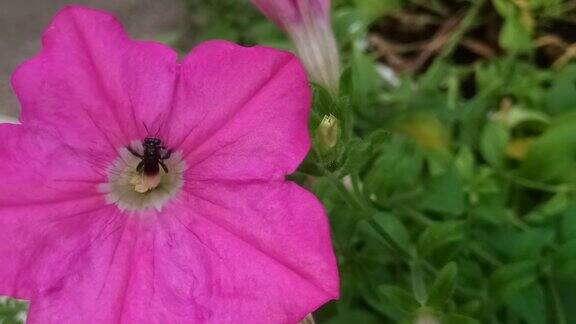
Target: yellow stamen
pixel 144 183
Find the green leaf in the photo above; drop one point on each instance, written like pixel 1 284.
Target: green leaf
pixel 513 277
pixel 514 36
pixel 417 279
pixel 400 298
pixel 493 144
pixel 393 226
pixel 552 157
pixel 504 7
pixel 567 289
pixel 564 258
pixel 528 303
pixel 529 243
pixel 396 169
pixel 353 316
pixel 568 223
pixel 458 319
pixel 440 235
pixel 443 286
pixel 444 194
pixel 365 78
pixel 361 152
pixel 560 96
pixel 547 211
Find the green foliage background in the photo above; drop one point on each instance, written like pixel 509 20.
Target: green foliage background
pixel 446 201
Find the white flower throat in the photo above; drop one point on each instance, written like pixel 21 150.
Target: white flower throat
pixel 136 184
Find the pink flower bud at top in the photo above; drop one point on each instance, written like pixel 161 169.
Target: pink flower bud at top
pixel 308 24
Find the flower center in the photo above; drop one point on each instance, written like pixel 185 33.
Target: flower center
pixel 132 189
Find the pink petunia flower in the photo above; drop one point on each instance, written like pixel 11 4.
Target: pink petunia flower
pixel 89 236
pixel 308 24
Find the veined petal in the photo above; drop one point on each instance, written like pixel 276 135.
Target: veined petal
pixel 93 84
pixel 266 246
pixel 285 13
pixel 241 113
pixel 223 253
pixel 42 183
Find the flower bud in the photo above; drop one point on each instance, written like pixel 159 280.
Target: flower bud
pixel 328 132
pixel 308 24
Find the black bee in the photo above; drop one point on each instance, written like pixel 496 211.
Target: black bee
pixel 154 155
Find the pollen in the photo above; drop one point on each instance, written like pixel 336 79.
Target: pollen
pixel 143 183
pixel 131 190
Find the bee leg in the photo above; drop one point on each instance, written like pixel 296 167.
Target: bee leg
pixel 140 167
pixel 167 155
pixel 164 167
pixel 133 152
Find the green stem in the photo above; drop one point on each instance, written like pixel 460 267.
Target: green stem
pixel 557 300
pixel 389 240
pixel 482 253
pixel 351 200
pixel 476 249
pixel 463 28
pixel 345 194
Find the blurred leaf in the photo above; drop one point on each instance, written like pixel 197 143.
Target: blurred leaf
pixel 553 155
pixel 443 286
pixel 444 194
pixel 400 298
pixel 567 289
pixel 515 36
pixel 548 210
pixel 395 228
pixel 439 235
pixel 458 319
pixel 504 8
pixel 564 258
pixel 361 152
pixel 352 316
pixel 568 223
pixel 493 144
pixel 365 80
pixel 372 9
pixel 12 311
pixel 528 303
pixel 417 279
pixel 560 96
pixel 510 278
pixel 396 169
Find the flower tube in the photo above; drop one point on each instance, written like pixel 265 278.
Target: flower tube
pixel 308 24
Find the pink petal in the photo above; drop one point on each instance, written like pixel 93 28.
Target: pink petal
pixel 242 111
pixel 93 84
pixel 257 253
pixel 267 248
pixel 98 288
pixel 293 12
pixel 46 196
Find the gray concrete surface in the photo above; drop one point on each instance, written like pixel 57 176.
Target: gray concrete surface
pixel 22 22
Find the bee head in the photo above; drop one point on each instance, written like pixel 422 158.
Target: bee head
pixel 152 142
